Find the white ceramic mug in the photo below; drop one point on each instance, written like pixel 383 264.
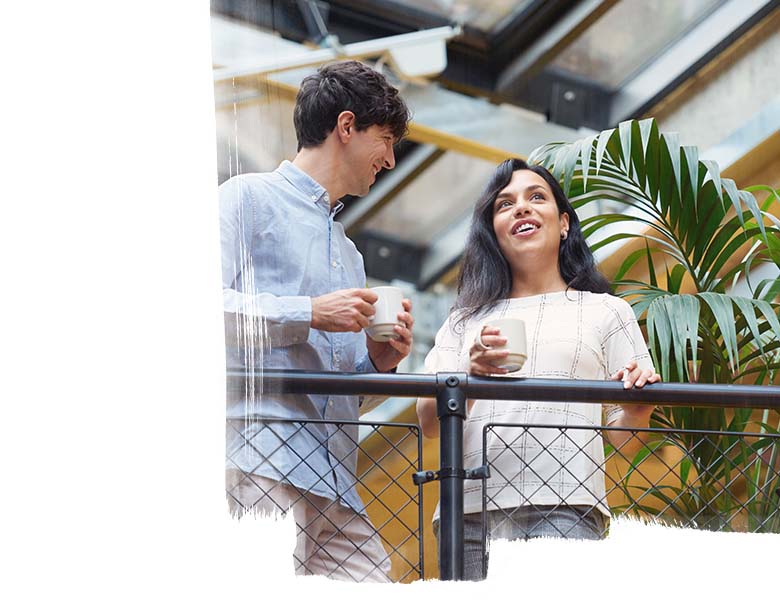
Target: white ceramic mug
pixel 385 317
pixel 514 332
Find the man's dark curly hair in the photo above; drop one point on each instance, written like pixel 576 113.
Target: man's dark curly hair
pixel 352 86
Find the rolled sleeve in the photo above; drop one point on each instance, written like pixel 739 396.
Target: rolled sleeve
pixel 253 318
pixel 278 320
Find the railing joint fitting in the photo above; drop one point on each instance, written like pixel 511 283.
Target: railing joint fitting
pixel 481 472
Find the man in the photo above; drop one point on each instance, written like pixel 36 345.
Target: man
pixel 295 298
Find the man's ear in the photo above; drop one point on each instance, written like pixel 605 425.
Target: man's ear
pixel 345 125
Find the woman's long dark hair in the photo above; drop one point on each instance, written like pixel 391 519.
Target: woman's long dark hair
pixel 486 278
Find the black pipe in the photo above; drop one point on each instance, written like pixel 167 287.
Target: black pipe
pixel 451 410
pixel 452 391
pixel 283 381
pixel 510 388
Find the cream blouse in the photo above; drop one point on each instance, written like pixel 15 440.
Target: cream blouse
pixel 570 335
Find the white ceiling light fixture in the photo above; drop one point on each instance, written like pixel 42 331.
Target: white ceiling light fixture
pixel 415 55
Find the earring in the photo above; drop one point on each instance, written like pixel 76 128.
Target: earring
pixel 564 234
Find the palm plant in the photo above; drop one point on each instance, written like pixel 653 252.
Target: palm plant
pixel 690 227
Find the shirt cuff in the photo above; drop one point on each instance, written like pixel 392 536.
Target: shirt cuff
pixel 296 325
pixel 366 365
pixel 367 403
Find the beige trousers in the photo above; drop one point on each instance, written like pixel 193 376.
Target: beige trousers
pixel 332 539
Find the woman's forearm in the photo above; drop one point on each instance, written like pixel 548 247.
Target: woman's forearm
pixel 426 415
pixel 629 443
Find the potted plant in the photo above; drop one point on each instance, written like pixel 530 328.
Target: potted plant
pixel 700 238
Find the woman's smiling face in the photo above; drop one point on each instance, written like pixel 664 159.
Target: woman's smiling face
pixel 527 223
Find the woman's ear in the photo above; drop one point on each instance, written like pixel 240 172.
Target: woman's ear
pixel 564 220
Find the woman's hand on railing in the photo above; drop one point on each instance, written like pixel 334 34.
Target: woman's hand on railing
pixel 633 415
pixel 633 376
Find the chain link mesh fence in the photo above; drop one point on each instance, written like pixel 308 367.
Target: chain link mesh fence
pixel 386 541
pixel 713 480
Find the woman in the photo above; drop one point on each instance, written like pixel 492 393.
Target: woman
pixel 526 258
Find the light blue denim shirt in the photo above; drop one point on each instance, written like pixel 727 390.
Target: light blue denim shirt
pixel 280 248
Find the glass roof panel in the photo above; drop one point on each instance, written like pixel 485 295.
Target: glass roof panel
pixel 480 14
pixel 629 36
pixel 439 197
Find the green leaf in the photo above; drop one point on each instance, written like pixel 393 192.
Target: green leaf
pixel 773 245
pixel 720 250
pixel 624 130
pixel 585 153
pixel 773 195
pixel 648 131
pixel 713 170
pixel 650 266
pixel 749 200
pixel 685 468
pixel 558 159
pixel 769 315
pixel 674 279
pixel 629 262
pixel 748 310
pixel 659 333
pixel 733 194
pixel 709 218
pixel 610 240
pixel 672 143
pixel 601 146
pixel 683 314
pixel 642 300
pixel 723 311
pixel 767 289
pixel 692 160
pixel 650 448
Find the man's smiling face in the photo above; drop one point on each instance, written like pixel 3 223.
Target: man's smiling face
pixel 369 151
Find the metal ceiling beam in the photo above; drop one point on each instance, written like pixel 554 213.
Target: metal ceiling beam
pixel 710 37
pixel 547 46
pixel 443 253
pixel 390 185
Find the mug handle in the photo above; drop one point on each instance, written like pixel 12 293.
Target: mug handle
pixel 478 340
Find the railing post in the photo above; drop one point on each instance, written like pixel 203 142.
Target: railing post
pixel 451 411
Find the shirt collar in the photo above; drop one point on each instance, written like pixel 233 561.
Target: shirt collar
pixel 302 182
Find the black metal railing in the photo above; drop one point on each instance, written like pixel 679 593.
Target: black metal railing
pixel 453 389
pixel 383 481
pixel 714 480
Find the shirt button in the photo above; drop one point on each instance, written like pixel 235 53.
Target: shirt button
pixel 330 403
pixel 314 197
pixel 335 264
